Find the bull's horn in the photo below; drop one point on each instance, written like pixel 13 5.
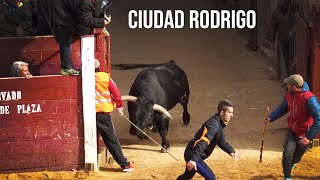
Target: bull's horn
pixel 129 98
pixel 159 108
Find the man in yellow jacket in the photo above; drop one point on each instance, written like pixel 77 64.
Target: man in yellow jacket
pixel 108 98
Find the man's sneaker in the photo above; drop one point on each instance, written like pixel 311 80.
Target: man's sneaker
pixel 127 168
pixel 287 178
pixel 71 72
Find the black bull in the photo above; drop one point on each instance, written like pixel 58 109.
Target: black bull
pixel 154 91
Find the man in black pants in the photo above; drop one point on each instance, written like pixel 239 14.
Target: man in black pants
pixel 208 136
pixel 65 18
pixel 107 99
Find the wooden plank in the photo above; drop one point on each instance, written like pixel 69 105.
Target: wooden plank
pixel 42 82
pixel 88 90
pixel 53 168
pixel 302 49
pixel 51 132
pixel 59 87
pixel 43 161
pixel 316 59
pixel 41 109
pixel 55 145
pixel 315 56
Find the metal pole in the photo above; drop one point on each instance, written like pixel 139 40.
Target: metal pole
pixel 149 137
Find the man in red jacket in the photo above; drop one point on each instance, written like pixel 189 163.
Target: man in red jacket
pixel 107 99
pixel 303 121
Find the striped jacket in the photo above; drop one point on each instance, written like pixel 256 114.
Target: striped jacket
pixel 208 136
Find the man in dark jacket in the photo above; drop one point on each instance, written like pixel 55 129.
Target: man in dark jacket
pixel 208 136
pixel 15 18
pixel 303 121
pixel 64 18
pixel 281 25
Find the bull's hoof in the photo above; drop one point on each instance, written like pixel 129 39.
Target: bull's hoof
pixel 186 118
pixel 133 131
pixel 155 129
pixel 142 136
pixel 165 146
pixel 164 151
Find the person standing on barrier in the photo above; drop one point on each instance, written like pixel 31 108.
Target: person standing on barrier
pixel 202 145
pixel 303 121
pixel 64 19
pixel 107 99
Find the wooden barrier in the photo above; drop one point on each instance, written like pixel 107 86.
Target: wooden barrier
pixel 41 119
pixel 41 124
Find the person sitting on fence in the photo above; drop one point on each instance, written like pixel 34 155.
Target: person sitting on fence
pixel 15 18
pixel 20 69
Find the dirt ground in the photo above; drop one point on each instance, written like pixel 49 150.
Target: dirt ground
pixel 248 168
pixel 219 66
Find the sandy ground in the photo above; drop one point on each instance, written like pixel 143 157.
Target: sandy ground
pixel 219 66
pixel 248 168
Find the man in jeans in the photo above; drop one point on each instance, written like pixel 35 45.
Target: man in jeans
pixel 107 99
pixel 205 140
pixel 67 18
pixel 303 121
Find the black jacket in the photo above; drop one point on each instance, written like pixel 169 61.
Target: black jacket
pixel 64 16
pixel 10 20
pixel 208 136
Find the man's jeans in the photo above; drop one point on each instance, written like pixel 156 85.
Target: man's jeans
pixel 292 152
pixel 65 45
pixel 65 53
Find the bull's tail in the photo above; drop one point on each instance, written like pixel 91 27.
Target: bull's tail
pixel 135 66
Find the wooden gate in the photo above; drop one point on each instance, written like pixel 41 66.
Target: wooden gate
pixel 302 49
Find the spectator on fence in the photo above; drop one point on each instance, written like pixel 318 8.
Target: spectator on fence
pixel 20 69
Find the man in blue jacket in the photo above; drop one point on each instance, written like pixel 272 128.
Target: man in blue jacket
pixel 208 136
pixel 303 121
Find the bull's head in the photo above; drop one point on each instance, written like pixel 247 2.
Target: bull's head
pixel 144 112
